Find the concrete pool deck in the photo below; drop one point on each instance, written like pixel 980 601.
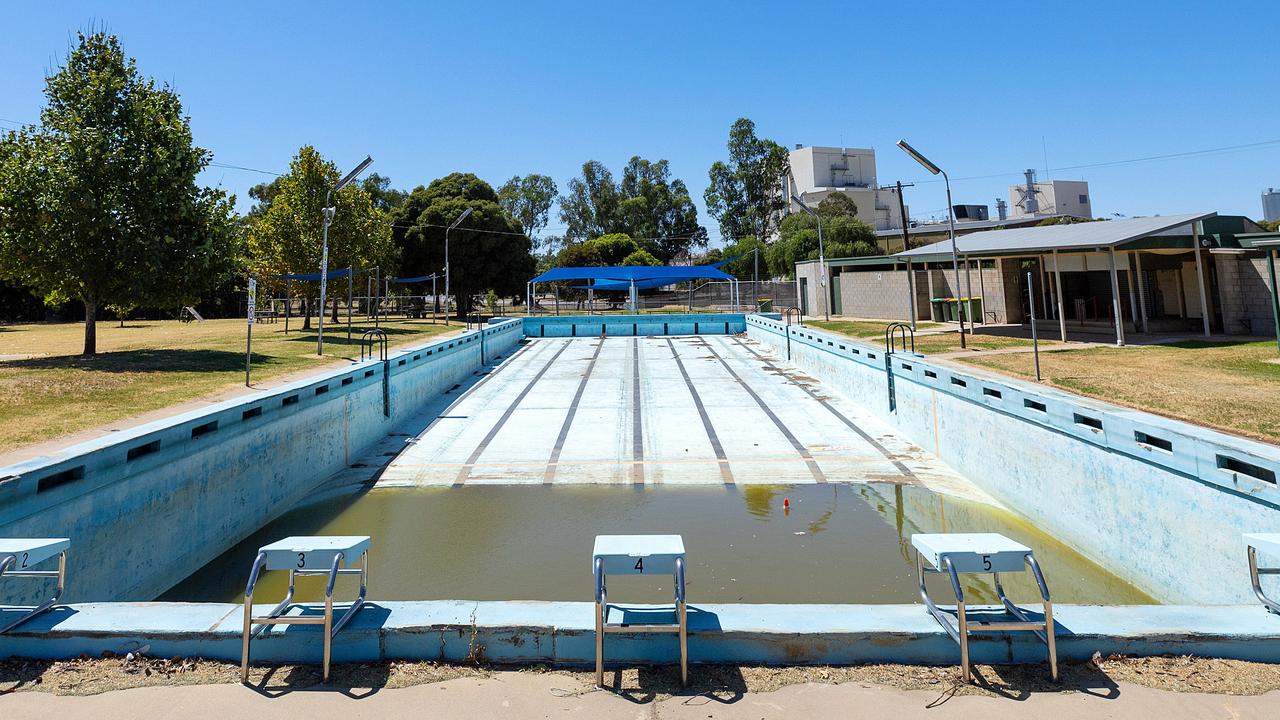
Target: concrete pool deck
pixel 651 410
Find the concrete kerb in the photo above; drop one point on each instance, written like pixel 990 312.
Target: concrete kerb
pixel 562 633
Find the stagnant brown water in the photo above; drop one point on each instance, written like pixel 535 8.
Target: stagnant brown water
pixel 840 543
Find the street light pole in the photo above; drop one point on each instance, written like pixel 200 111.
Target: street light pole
pixel 324 252
pixel 951 225
pixel 822 257
pixel 449 229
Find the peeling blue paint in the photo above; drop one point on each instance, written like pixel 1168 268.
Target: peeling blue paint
pixel 1167 521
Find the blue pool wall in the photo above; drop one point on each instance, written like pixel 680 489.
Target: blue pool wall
pixel 539 326
pixel 1159 502
pixel 563 633
pixel 148 506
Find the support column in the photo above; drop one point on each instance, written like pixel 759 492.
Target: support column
pixel 982 289
pixel 1142 293
pixel 1057 283
pixel 1275 299
pixel 1182 293
pixel 911 293
pixel 968 290
pixel 1046 293
pixel 1115 298
pixel 1133 298
pixel 1204 303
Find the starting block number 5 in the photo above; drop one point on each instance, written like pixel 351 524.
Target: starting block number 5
pixel 986 562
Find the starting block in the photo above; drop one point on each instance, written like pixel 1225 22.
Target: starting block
pixel 639 555
pixel 18 555
pixel 330 556
pixel 1268 543
pixel 954 553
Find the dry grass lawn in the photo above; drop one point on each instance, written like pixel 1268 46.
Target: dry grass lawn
pixel 47 389
pixel 1232 386
pixel 929 343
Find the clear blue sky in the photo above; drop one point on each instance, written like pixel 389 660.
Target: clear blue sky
pixel 502 88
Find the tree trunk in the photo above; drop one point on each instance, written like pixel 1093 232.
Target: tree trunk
pixel 335 312
pixel 306 313
pixel 90 325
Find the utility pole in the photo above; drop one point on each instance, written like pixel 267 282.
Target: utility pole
pixel 902 210
pixel 906 245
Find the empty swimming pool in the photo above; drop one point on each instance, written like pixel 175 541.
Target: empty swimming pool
pixel 653 410
pixel 500 493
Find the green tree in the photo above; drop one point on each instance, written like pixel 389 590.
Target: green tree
pixel 843 235
pixel 489 249
pixel 837 204
pixel 658 209
pixel 263 194
pixel 381 194
pixel 100 202
pixel 529 199
pixel 640 257
pixel 648 205
pixel 590 207
pixel 744 267
pixel 287 236
pixel 745 194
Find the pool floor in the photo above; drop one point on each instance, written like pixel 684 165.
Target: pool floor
pixel 654 410
pixel 839 543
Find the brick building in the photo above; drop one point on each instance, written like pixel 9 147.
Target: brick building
pixel 1156 273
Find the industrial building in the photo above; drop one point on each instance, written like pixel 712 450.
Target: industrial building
pixel 1271 205
pixel 817 172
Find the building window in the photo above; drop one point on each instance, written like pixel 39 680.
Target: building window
pixel 1084 199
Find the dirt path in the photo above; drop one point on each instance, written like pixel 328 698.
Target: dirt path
pixel 507 695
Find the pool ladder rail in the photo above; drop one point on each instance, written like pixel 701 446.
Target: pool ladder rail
pixel 640 555
pixel 17 555
pixel 954 553
pixel 1269 543
pixel 306 556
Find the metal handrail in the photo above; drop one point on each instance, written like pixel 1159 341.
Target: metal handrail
pixel 368 341
pixel 959 632
pixel 61 574
pixel 1254 572
pixel 896 330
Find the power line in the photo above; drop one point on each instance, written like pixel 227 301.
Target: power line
pixel 507 232
pixel 1129 161
pixel 241 167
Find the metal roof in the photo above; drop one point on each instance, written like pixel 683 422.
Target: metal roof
pixel 1079 236
pixel 967 226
